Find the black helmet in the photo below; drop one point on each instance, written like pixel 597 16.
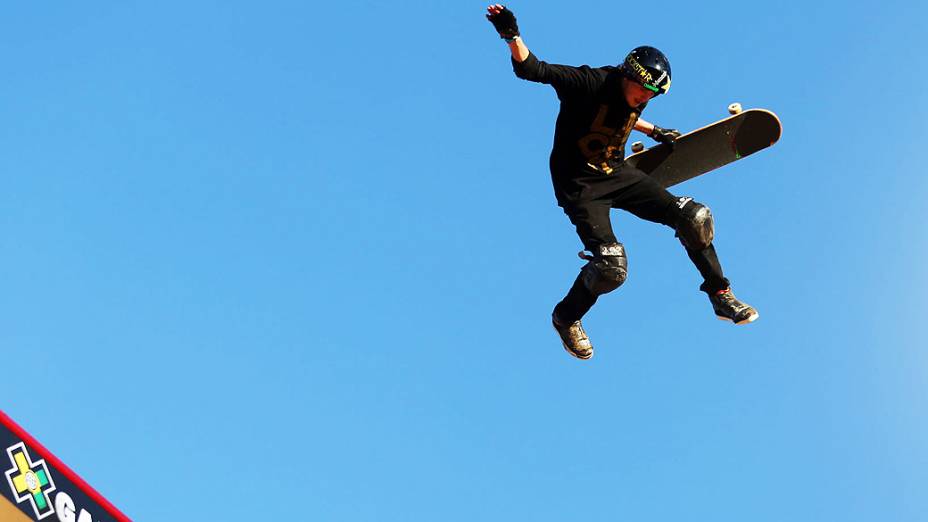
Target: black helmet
pixel 649 67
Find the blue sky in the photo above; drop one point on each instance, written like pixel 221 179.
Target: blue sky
pixel 298 260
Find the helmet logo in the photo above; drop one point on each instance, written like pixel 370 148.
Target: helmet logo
pixel 637 69
pixel 644 76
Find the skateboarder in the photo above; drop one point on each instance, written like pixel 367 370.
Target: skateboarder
pixel 599 108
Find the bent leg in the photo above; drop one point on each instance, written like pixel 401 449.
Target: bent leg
pixel 602 274
pixel 691 220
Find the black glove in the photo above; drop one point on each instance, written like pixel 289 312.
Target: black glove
pixel 505 24
pixel 661 135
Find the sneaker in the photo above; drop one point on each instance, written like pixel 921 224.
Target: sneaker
pixel 728 308
pixel 574 339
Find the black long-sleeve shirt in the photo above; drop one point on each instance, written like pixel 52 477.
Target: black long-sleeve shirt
pixel 593 124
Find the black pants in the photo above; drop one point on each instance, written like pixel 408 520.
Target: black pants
pixel 632 190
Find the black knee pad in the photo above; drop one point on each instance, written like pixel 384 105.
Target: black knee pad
pixel 607 270
pixel 695 226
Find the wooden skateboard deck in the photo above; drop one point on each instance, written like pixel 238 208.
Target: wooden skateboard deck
pixel 710 147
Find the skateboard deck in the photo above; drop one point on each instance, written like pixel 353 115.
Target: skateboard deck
pixel 708 148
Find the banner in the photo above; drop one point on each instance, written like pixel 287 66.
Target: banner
pixel 38 486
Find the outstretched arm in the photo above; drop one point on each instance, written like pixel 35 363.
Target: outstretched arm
pixel 564 78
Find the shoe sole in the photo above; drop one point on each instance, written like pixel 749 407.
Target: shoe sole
pixel 575 356
pixel 751 318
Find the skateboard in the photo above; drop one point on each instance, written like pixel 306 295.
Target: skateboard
pixel 708 148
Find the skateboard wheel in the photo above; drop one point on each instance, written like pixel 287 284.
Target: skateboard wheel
pixel 637 146
pixel 734 108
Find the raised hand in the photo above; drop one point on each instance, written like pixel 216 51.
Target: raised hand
pixel 503 20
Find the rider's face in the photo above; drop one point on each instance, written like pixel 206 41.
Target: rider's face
pixel 635 94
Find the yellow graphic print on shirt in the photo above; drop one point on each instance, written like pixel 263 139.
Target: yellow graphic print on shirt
pixel 603 146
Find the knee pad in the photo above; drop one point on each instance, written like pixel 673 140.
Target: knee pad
pixel 695 226
pixel 607 270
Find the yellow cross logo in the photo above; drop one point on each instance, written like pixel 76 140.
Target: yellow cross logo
pixel 30 480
